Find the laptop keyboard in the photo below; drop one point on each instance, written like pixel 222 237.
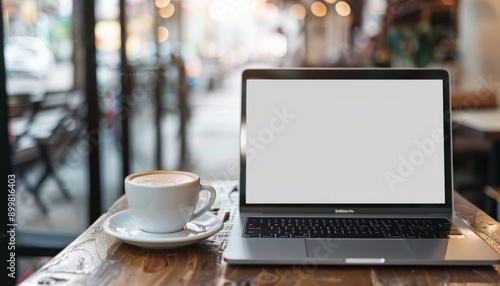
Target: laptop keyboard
pixel 349 228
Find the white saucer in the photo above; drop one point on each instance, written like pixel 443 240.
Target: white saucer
pixel 122 226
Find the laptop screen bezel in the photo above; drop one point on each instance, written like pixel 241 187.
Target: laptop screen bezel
pixel 351 73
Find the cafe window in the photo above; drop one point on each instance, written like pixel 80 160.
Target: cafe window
pixel 46 115
pixel 173 66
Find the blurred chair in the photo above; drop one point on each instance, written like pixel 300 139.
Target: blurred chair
pixel 44 135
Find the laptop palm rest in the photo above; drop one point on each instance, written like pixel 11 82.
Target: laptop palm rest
pixel 359 250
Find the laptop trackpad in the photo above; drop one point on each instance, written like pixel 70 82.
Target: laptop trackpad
pixel 359 248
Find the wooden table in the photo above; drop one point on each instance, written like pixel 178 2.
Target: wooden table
pixel 95 258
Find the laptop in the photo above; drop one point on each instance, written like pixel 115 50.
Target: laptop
pixel 348 167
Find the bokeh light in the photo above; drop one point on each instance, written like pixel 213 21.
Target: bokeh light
pixel 162 3
pixel 318 9
pixel 167 11
pixel 298 11
pixel 271 10
pixel 107 33
pixel 343 9
pixel 162 34
pixel 273 45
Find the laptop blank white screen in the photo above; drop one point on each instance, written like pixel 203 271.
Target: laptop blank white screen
pixel 344 141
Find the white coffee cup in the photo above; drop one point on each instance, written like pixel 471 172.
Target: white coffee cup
pixel 163 201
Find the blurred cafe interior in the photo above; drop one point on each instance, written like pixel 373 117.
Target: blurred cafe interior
pixel 99 89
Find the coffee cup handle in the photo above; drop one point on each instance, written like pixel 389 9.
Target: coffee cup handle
pixel 210 202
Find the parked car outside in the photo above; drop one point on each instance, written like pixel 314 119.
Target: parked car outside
pixel 29 56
